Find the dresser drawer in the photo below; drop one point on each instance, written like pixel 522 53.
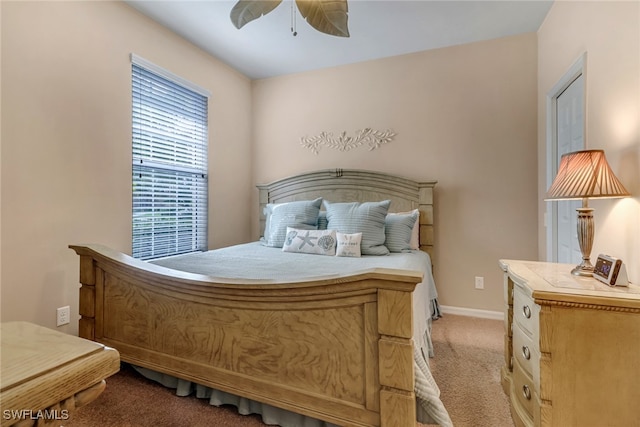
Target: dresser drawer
pixel 525 350
pixel 525 311
pixel 523 388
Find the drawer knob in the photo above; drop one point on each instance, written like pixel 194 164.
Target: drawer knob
pixel 526 311
pixel 525 352
pixel 526 392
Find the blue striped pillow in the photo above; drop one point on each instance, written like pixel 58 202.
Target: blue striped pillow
pixel 322 220
pixel 300 214
pixel 367 218
pixel 398 231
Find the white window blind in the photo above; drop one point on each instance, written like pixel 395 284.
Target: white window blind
pixel 169 178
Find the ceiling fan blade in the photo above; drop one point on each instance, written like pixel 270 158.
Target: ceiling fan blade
pixel 326 16
pixel 246 11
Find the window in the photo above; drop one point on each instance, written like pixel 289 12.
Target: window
pixel 170 138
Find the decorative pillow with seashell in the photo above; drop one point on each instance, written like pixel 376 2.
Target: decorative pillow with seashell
pixel 319 242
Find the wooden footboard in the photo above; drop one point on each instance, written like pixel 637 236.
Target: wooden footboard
pixel 339 349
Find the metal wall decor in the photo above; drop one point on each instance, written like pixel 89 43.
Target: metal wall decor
pixel 373 138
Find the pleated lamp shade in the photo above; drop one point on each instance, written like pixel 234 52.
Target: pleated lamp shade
pixel 585 174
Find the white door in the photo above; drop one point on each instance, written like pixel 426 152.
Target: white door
pixel 565 133
pixel 569 136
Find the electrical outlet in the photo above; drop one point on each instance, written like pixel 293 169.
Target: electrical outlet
pixel 62 315
pixel 479 282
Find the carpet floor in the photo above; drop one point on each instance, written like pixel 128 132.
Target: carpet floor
pixel 469 354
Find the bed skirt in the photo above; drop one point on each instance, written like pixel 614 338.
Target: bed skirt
pixel 270 414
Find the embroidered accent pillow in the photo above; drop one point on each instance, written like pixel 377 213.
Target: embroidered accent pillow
pixel 348 244
pixel 320 242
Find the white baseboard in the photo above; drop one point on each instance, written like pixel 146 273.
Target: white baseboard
pixel 472 312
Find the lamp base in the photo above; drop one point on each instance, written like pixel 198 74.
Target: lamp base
pixel 585 270
pixel 585 240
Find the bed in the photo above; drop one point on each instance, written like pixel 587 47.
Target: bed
pixel 344 345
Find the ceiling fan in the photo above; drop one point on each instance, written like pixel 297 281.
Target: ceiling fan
pixel 327 16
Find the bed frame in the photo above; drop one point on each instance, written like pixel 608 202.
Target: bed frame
pixel 338 349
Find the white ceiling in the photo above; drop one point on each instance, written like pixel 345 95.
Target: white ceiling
pixel 379 28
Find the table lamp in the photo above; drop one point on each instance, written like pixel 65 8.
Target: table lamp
pixel 582 175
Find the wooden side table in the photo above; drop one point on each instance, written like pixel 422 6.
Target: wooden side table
pixel 46 374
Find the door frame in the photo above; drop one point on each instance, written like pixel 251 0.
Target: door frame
pixel 578 68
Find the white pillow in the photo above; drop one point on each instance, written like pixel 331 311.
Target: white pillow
pixel 320 242
pixel 348 244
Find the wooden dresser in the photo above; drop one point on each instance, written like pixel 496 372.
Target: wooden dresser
pixel 572 348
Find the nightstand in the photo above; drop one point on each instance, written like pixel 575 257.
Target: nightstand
pixel 572 348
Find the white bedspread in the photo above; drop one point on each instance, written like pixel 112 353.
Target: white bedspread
pixel 255 261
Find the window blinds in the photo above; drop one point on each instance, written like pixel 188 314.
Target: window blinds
pixel 170 141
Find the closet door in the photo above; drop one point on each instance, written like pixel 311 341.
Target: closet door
pixel 569 137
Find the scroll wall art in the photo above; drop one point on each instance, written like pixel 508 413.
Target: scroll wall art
pixel 372 138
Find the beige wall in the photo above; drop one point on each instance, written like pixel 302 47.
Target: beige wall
pixel 609 33
pixel 66 142
pixel 465 116
pixel 471 117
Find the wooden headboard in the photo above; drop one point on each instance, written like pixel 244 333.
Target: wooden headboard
pixel 352 185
